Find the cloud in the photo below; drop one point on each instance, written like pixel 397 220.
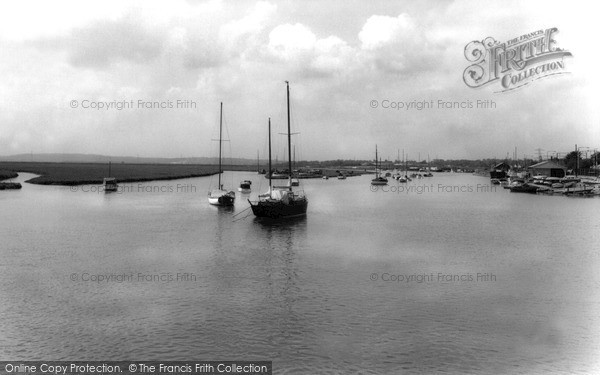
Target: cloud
pixel 241 53
pixel 112 41
pixel 289 42
pixel 398 45
pixel 380 31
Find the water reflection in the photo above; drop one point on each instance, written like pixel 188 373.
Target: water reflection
pixel 298 291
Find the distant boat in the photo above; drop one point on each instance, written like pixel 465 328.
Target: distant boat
pixel 341 176
pixel 245 187
pixel 404 178
pixel 277 176
pixel 295 182
pixel 378 180
pixel 110 183
pixel 282 202
pixel 260 171
pixel 524 188
pixel 325 177
pixel 219 196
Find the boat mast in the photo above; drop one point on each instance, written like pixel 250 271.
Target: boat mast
pixel 376 174
pixel 289 134
pixel 220 137
pixel 270 170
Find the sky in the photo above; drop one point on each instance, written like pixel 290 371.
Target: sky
pixel 170 64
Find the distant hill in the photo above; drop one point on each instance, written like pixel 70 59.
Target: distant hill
pixel 93 158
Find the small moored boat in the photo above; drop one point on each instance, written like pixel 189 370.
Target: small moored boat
pixel 245 187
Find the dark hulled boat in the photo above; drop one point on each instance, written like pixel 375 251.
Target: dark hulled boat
pixel 378 180
pixel 524 188
pixel 281 201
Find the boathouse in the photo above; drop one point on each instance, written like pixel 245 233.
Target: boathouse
pixel 499 171
pixel 548 168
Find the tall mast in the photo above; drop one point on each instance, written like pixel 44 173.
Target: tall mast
pixel 289 134
pixel 376 175
pixel 220 137
pixel 404 162
pixel 270 170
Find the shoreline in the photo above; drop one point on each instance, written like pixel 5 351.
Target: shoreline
pixel 73 174
pixel 7 175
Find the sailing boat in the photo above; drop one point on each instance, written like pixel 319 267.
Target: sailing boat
pixel 378 180
pixel 260 171
pixel 110 183
pixel 220 197
pixel 428 174
pixel 282 201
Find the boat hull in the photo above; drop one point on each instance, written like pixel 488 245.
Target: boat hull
pixel 276 209
pixel 225 199
pixel 524 188
pixel 379 181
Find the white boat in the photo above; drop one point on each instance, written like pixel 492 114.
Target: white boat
pixel 341 177
pixel 110 183
pixel 245 187
pixel 220 196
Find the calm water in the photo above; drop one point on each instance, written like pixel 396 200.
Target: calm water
pixel 314 295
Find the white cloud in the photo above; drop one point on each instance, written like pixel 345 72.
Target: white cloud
pixel 291 41
pixel 379 31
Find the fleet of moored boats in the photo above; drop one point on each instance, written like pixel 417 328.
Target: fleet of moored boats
pixel 282 201
pixel 569 185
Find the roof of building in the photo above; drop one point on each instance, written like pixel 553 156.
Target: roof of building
pixel 501 167
pixel 547 164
